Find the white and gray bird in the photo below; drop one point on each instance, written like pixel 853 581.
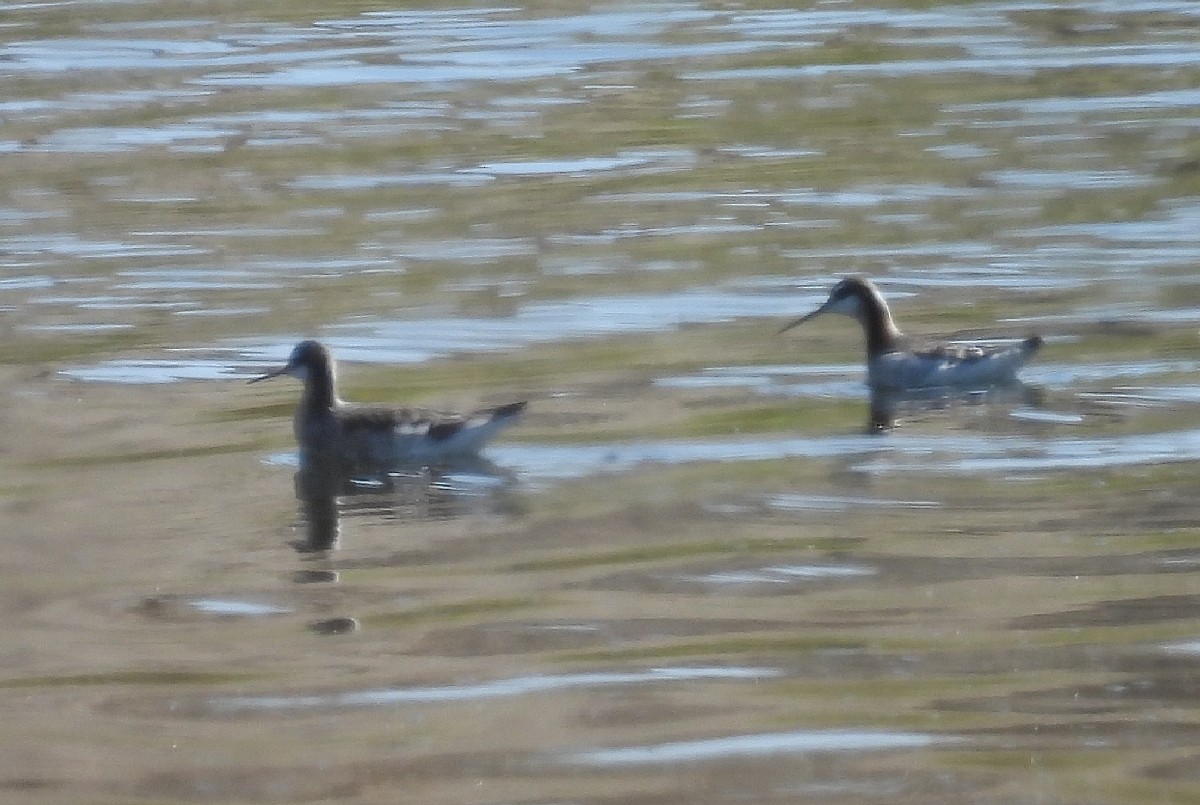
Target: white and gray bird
pixel 895 364
pixel 328 428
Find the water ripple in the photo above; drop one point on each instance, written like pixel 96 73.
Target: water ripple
pixel 500 688
pixel 757 745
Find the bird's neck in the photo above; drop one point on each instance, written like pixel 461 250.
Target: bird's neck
pixel 883 335
pixel 320 388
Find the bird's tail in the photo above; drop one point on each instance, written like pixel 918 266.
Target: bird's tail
pixel 467 436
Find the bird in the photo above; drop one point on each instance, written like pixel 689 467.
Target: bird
pixel 893 365
pixel 356 435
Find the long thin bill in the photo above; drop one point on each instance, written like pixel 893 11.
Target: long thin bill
pixel 804 318
pixel 273 373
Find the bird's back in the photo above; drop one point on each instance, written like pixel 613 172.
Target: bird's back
pixel 366 435
pixel 963 366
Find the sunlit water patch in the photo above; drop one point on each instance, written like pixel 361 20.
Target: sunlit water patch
pixel 30 283
pixel 1015 454
pixel 557 462
pixel 863 197
pixel 546 463
pixel 845 381
pixel 184 137
pixel 1064 376
pixel 1057 181
pixel 206 279
pixel 1157 394
pixel 963 151
pixel 801 502
pixel 353 183
pixel 784 574
pixel 534 322
pixel 967 265
pixel 496 689
pixel 466 45
pixel 875 454
pixel 757 745
pixel 71 245
pixel 999 56
pixel 1026 108
pixel 1138 313
pixel 1026 414
pixel 712 227
pixel 639 161
pixel 833 380
pixel 233 608
pixel 476 250
pixel 420 340
pixel 765 152
pixel 77 327
pixel 152 370
pixel 1127 247
pixel 182 608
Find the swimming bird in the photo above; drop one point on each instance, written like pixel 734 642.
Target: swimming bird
pixel 894 365
pixel 375 436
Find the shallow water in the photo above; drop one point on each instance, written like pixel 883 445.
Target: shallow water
pixel 697 571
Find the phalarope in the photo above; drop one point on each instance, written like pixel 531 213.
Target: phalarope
pixel 363 435
pixel 893 366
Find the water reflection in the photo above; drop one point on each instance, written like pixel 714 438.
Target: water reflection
pixel 886 408
pixel 327 491
pixel 317 488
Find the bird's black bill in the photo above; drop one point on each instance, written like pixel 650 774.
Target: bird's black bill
pixel 273 373
pixel 803 319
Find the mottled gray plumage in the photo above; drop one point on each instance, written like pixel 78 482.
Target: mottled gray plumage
pixel 378 436
pixel 894 363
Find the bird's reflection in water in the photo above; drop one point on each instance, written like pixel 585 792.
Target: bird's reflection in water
pixel 887 408
pixel 329 491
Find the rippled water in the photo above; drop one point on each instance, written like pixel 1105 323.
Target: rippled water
pixel 697 571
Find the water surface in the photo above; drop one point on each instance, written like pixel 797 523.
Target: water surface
pixel 696 572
